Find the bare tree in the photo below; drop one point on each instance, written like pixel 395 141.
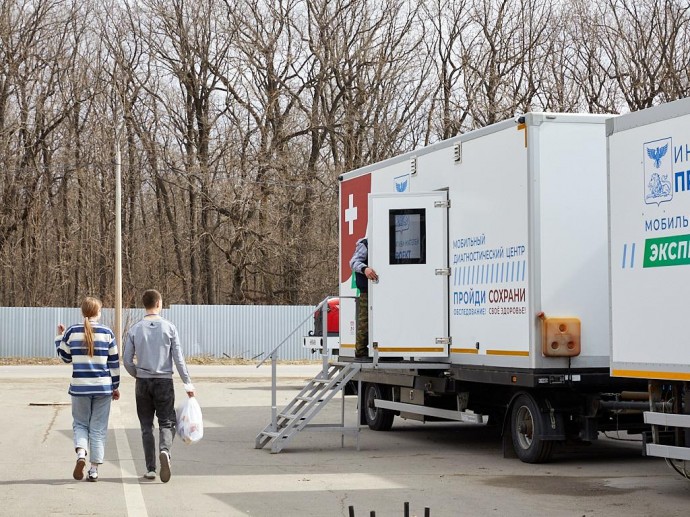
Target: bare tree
pixel 449 21
pixel 40 47
pixel 185 41
pixel 503 52
pixel 641 42
pixel 237 118
pixel 577 67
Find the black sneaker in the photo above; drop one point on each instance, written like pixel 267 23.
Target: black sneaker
pixel 165 466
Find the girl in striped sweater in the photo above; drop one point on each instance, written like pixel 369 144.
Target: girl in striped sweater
pixel 92 350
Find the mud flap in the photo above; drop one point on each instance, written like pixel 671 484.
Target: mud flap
pixel 508 449
pixel 554 427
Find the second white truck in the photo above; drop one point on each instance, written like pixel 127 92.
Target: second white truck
pixel 649 214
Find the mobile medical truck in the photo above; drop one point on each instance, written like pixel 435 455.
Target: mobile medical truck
pixel 492 304
pixel 492 256
pixel 649 210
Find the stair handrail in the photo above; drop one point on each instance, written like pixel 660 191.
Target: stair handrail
pixel 274 357
pixel 311 315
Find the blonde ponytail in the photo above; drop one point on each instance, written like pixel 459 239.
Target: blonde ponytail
pixel 90 307
pixel 88 336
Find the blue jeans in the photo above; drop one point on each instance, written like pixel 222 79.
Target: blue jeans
pixel 156 397
pixel 90 424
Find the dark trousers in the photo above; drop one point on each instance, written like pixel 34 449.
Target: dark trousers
pixel 156 397
pixel 361 348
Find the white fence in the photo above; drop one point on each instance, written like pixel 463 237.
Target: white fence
pixel 222 331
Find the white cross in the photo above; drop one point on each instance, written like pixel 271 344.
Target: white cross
pixel 351 214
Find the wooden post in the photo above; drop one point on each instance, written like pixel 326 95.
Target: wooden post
pixel 118 244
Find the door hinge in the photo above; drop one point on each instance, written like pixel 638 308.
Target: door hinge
pixel 444 340
pixel 442 271
pixel 442 204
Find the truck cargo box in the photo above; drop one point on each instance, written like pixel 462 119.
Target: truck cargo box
pixel 492 300
pixel 491 247
pixel 649 185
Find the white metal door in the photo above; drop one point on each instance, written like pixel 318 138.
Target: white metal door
pixel 408 249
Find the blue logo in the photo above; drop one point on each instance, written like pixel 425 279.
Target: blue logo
pixel 658 168
pixel 657 154
pixel 402 183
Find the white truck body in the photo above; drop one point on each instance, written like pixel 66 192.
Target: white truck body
pixel 649 173
pixel 531 276
pixel 525 233
pixel 491 250
pixel 649 214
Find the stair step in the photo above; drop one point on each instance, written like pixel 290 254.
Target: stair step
pixel 295 417
pixel 308 399
pixel 290 416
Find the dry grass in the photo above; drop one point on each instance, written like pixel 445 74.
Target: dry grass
pixel 14 361
pixel 237 360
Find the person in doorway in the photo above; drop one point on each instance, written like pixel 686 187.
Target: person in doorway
pixel 92 350
pixel 155 343
pixel 363 273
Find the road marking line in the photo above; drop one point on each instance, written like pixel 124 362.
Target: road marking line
pixel 134 499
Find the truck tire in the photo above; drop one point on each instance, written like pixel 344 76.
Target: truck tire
pixel 526 429
pixel 377 419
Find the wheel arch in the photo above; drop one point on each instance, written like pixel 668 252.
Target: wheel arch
pixel 554 431
pixel 380 419
pixel 553 424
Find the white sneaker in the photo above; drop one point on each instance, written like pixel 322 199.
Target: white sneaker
pixel 165 466
pixel 150 475
pixel 93 474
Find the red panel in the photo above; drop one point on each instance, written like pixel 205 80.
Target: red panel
pixel 354 215
pixel 333 320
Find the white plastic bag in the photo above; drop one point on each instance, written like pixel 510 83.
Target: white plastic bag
pixel 190 426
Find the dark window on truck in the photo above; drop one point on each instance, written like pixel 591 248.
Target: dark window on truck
pixel 407 236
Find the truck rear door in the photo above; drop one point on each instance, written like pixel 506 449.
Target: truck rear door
pixel 408 248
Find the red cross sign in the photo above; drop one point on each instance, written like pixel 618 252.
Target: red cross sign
pixel 354 216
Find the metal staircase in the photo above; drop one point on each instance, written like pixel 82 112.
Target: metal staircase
pixel 298 414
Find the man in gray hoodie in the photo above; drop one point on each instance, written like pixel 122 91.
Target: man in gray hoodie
pixel 156 345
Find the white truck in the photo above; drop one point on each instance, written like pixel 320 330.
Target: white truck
pixel 649 213
pixel 492 303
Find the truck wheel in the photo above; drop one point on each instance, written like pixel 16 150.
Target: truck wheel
pixel 377 419
pixel 526 428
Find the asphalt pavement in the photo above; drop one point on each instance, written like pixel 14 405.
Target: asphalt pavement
pixel 452 469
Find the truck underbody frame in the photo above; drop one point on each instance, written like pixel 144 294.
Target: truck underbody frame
pixel 532 408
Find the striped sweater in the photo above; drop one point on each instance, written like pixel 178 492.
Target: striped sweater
pixel 97 375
